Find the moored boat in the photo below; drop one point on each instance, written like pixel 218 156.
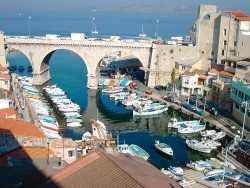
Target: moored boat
pixel 74 124
pixel 208 133
pixel 178 171
pixel 193 129
pixel 175 124
pixel 198 146
pixel 164 148
pixel 205 164
pixel 218 135
pixel 195 166
pixel 151 110
pixel 138 151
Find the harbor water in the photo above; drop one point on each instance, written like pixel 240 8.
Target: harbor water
pixel 69 72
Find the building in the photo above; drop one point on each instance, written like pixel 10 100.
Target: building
pixel 240 92
pixel 219 35
pixel 101 169
pixel 15 133
pixel 194 82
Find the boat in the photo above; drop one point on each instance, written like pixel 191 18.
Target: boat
pixel 164 148
pixel 213 142
pixel 218 135
pixel 142 34
pixel 205 164
pixel 151 110
pixel 175 124
pixel 71 115
pixel 74 124
pixel 195 166
pixel 13 68
pixel 198 146
pixel 208 133
pixel 20 68
pixel 86 136
pixel 51 135
pixel 193 129
pixel 138 151
pixel 112 89
pixel 218 172
pixel 124 149
pixel 178 171
pixel 29 69
pixel 69 120
pixel 94 31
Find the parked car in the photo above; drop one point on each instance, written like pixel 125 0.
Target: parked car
pixel 160 87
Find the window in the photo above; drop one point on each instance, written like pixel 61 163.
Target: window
pixel 222 52
pixel 225 32
pixel 225 42
pixel 71 153
pixel 235 43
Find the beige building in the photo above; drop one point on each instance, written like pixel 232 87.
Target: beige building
pixel 219 35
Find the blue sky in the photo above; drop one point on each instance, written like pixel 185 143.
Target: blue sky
pixel 29 6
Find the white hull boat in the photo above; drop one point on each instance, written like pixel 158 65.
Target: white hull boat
pixel 164 148
pixel 178 171
pixel 150 111
pixel 175 124
pixel 111 90
pixel 74 124
pixel 198 146
pixel 218 135
pixel 205 164
pixel 52 135
pixel 208 133
pixel 193 129
pixel 195 166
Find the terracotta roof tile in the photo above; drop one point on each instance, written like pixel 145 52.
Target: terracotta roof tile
pixel 241 16
pixel 226 73
pixel 18 127
pixel 65 142
pixel 4 76
pixel 3 69
pixel 7 112
pixel 213 70
pixel 26 152
pixel 99 169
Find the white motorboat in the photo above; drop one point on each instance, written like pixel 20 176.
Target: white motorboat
pixel 138 151
pixel 208 133
pixel 205 164
pixel 69 109
pixel 193 129
pixel 218 135
pixel 195 166
pixel 150 110
pixel 51 135
pixel 69 120
pixel 74 124
pixel 175 124
pixel 120 95
pixel 198 146
pixel 178 171
pixel 71 115
pixel 141 102
pixel 124 149
pixel 218 172
pixel 112 89
pixel 213 142
pixel 164 148
pixel 49 127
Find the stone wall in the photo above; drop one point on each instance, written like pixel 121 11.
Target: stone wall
pixel 2 50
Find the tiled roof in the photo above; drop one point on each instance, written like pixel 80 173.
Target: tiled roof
pixel 65 142
pixel 200 73
pixel 7 112
pixel 238 15
pixel 226 73
pixel 99 169
pixel 19 127
pixel 3 68
pixel 26 152
pixel 4 76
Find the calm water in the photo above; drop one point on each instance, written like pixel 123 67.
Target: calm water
pixel 68 71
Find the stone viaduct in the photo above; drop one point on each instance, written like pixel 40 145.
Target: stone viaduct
pixel 157 60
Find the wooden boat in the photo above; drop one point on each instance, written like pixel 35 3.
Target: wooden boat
pixel 138 151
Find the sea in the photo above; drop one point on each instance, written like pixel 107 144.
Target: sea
pixel 68 71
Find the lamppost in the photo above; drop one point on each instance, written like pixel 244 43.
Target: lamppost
pixel 246 105
pixel 29 25
pixel 157 23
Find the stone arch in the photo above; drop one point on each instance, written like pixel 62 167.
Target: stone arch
pixel 207 17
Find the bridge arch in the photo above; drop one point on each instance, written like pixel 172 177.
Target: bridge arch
pixel 39 51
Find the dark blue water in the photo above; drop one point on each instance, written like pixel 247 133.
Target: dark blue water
pixel 69 72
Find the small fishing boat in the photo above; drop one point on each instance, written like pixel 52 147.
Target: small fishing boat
pixel 198 146
pixel 20 68
pixel 218 135
pixel 175 124
pixel 29 69
pixel 205 164
pixel 193 129
pixel 124 149
pixel 74 124
pixel 218 172
pixel 150 110
pixel 208 133
pixel 112 89
pixel 195 166
pixel 164 148
pixel 69 120
pixel 138 151
pixel 178 171
pixel 51 135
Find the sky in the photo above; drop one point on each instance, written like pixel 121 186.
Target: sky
pixel 30 6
